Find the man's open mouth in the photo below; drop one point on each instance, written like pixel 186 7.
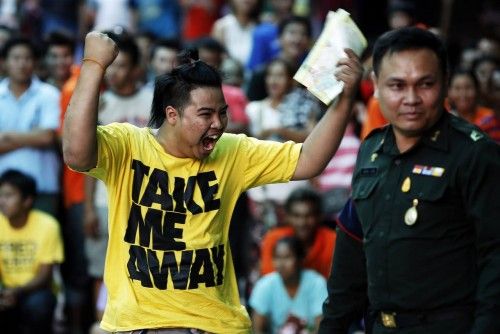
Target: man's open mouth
pixel 209 142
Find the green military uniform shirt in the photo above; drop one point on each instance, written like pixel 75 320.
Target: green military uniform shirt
pixel 447 252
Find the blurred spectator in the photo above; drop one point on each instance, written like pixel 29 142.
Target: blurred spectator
pixel 303 217
pixel 401 13
pixel 290 299
pixel 30 247
pixel 482 68
pixel 265 38
pixel 159 17
pixel 60 50
pixel 467 58
pixel 5 34
pixel 62 15
pixel 8 14
pixel 492 125
pixel 235 29
pixel 294 37
pixel 28 122
pixel 463 94
pixel 199 17
pixel 489 46
pixel 103 15
pixel 163 58
pixel 145 41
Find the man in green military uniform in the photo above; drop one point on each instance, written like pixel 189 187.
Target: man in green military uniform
pixel 427 258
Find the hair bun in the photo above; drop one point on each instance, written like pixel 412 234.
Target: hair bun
pixel 188 56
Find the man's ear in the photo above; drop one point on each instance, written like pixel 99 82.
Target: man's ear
pixel 171 115
pixel 28 202
pixel 375 87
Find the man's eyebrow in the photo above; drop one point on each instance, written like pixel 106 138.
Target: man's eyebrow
pixel 400 79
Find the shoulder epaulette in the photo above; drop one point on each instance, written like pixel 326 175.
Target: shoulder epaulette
pixel 376 131
pixel 469 130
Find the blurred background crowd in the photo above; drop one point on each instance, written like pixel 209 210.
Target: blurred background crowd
pixel 257 45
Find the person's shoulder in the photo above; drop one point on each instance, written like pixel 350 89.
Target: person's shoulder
pixel 44 219
pixel 466 132
pixel 268 281
pixel 45 89
pixel 312 276
pixel 373 139
pixel 376 134
pixel 326 232
pixel 119 130
pixel 279 232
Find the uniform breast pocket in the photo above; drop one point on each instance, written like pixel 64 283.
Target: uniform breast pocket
pixel 364 197
pixel 437 204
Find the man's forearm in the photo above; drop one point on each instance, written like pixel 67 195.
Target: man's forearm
pixel 322 143
pixel 37 138
pixel 80 122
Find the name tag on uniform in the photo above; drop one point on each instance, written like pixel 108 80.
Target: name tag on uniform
pixel 428 170
pixel 369 171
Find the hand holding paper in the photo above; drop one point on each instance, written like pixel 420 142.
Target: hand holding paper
pixel 318 72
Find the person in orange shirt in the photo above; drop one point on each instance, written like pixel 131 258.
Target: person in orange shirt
pixel 374 118
pixel 303 216
pixel 463 100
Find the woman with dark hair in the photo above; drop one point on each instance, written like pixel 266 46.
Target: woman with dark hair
pixel 288 300
pixel 463 98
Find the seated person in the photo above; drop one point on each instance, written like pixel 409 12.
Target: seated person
pixel 30 246
pixel 290 299
pixel 303 216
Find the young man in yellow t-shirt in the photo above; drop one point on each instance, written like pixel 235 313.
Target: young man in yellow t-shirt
pixel 171 191
pixel 30 245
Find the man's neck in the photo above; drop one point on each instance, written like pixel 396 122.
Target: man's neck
pixel 125 91
pixel 405 143
pixel 18 88
pixel 19 221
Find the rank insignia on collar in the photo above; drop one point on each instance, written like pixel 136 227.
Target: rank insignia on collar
pixel 428 170
pixel 475 135
pixel 374 157
pixel 435 135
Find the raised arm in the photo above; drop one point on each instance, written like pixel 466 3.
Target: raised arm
pixel 325 138
pixel 80 123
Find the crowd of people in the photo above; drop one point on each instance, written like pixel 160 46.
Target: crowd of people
pixel 161 169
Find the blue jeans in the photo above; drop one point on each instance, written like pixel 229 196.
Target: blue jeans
pixel 33 313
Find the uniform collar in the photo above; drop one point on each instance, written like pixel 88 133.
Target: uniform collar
pixel 436 137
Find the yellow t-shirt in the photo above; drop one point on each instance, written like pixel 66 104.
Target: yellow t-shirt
pixel 23 250
pixel 168 262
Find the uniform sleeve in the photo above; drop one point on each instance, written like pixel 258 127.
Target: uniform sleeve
pixel 347 286
pixel 482 182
